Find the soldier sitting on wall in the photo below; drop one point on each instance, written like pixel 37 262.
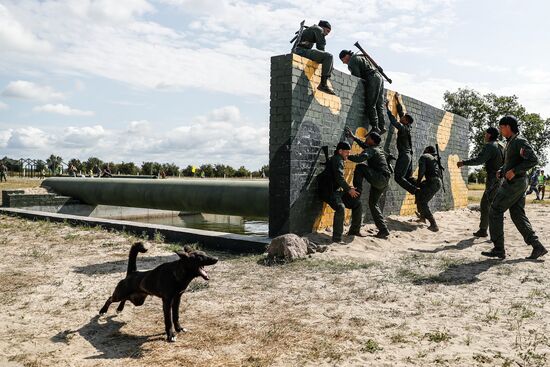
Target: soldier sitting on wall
pixel 428 168
pixel 315 35
pixel 336 192
pixel 377 173
pixel 361 67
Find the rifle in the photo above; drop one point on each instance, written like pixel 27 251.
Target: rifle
pixel 441 169
pixel 298 37
pixel 380 70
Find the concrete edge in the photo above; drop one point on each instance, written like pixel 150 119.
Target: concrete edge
pixel 209 239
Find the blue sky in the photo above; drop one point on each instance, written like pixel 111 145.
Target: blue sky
pixel 187 81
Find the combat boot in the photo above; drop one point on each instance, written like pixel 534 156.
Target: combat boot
pixel 538 251
pixel 323 86
pixel 433 225
pixel 480 233
pixel 383 233
pixel 495 253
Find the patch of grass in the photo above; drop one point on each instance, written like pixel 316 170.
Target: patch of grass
pixel 371 346
pixel 39 254
pixel 490 316
pixel 398 338
pixel 438 336
pixel 158 237
pixel 196 286
pixel 481 358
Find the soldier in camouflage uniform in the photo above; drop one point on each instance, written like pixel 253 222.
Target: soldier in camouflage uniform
pixel 428 167
pixel 403 165
pixel 3 172
pixel 315 35
pixel 491 156
pixel 518 159
pixel 336 192
pixel 361 67
pixel 377 174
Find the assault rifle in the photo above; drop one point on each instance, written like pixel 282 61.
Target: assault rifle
pixel 298 37
pixel 441 169
pixel 380 70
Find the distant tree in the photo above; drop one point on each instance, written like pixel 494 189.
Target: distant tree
pixel 242 172
pixel 77 164
pixel 91 163
pixel 188 171
pixel 55 164
pixel 170 169
pixel 207 169
pixel 150 168
pixel 485 110
pixel 128 168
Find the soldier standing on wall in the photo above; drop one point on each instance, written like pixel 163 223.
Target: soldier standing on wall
pixel 403 165
pixel 492 156
pixel 361 67
pixel 376 172
pixel 335 191
pixel 315 35
pixel 428 167
pixel 518 159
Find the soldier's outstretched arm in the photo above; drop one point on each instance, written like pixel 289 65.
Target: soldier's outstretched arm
pixel 481 158
pixel 359 158
pixel 421 169
pixel 529 161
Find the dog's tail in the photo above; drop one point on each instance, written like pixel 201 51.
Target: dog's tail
pixel 136 248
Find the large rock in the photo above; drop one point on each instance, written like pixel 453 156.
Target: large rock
pixel 288 246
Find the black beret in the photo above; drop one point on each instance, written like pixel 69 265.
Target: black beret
pixel 324 24
pixel 344 145
pixel 344 53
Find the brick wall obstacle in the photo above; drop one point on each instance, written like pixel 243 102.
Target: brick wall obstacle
pixel 303 120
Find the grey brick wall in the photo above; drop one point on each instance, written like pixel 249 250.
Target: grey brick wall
pixel 302 121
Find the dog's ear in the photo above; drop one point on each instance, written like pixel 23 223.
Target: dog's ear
pixel 187 248
pixel 182 255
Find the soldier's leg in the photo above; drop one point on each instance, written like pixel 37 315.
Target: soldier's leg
pixel 522 223
pixel 402 167
pixel 359 174
pixel 356 214
pixel 491 186
pixel 380 109
pixel 371 96
pixel 506 195
pixel 374 198
pixel 335 202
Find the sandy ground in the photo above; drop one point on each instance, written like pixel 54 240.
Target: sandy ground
pixel 418 298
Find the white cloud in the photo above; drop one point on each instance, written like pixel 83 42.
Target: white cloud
pixel 139 127
pixel 62 109
pixel 3 106
pixel 28 90
pixel 28 138
pixel 82 137
pixel 14 36
pixel 399 48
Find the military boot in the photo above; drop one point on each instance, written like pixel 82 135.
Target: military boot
pixel 538 251
pixel 480 233
pixel 433 225
pixel 323 86
pixel 495 253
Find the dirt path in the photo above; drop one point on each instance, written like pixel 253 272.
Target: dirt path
pixel 417 299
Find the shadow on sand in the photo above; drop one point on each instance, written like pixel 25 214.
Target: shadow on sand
pixel 105 336
pixel 457 274
pixel 461 245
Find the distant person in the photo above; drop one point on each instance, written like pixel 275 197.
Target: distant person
pixel 428 168
pixel 106 172
pixel 542 184
pixel 96 172
pixel 492 156
pixel 3 172
pixel 71 170
pixel 361 67
pixel 162 174
pixel 519 157
pixel 338 194
pixel 533 184
pixel 315 35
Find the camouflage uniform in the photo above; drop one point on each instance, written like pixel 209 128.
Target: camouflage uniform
pixel 403 165
pixel 377 174
pixel 360 67
pixel 313 35
pixel 427 167
pixel 492 156
pixel 333 189
pixel 519 157
pixel 3 171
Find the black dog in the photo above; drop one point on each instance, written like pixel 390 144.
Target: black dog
pixel 167 281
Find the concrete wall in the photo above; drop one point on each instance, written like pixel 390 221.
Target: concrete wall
pixel 302 120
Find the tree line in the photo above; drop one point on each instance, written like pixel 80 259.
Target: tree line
pixel 54 165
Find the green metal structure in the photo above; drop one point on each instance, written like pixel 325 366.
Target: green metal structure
pixel 247 198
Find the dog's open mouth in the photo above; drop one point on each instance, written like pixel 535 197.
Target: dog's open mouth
pixel 203 273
